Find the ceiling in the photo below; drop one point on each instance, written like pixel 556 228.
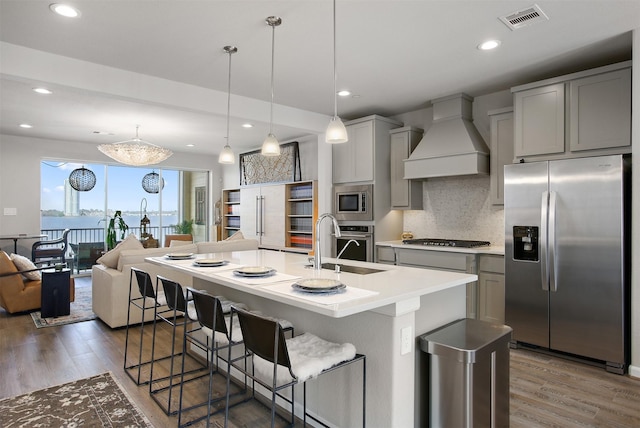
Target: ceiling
pixel 161 65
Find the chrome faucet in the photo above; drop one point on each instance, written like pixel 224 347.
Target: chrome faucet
pixel 337 267
pixel 345 247
pixel 317 259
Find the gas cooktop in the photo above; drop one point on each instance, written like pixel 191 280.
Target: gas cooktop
pixel 434 242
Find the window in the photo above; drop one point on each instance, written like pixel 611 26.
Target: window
pixel 119 187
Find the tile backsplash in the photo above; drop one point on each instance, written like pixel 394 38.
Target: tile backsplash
pixel 457 208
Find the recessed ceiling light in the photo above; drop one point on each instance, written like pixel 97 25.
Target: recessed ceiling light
pixel 344 93
pixel 43 91
pixel 25 125
pixel 191 145
pixel 64 10
pixel 102 133
pixel 247 125
pixel 488 45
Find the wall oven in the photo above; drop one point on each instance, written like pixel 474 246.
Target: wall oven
pixel 363 235
pixel 353 203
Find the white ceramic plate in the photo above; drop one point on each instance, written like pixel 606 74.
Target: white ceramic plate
pixel 210 262
pixel 179 256
pixel 319 285
pixel 254 271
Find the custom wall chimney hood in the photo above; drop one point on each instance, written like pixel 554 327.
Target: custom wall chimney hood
pixel 452 145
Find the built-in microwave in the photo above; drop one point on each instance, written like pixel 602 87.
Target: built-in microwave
pixel 353 202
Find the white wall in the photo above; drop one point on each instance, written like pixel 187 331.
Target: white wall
pixel 20 159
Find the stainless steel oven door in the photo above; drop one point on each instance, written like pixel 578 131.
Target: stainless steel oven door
pixel 363 235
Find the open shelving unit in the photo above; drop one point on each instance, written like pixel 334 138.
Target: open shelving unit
pixel 230 212
pixel 301 212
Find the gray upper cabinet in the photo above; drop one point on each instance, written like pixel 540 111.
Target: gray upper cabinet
pixel 581 114
pixel 405 194
pixel 539 126
pixel 502 145
pixel 360 158
pixel 600 111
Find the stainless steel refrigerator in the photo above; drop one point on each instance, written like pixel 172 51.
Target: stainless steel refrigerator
pixel 567 257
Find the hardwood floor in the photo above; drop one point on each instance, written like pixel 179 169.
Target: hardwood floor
pixel 545 391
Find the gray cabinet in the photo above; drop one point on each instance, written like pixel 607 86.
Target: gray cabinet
pixel 443 260
pixel 405 194
pixel 600 111
pixel 501 150
pixel 491 300
pixel 385 255
pixel 539 120
pixel 366 151
pixel 582 114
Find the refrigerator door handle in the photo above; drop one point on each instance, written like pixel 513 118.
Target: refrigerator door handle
pixel 258 215
pixel 544 218
pixel 553 271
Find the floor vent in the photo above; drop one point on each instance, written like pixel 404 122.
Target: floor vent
pixel 524 17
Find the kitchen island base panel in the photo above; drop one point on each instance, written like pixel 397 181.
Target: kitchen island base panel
pixel 392 378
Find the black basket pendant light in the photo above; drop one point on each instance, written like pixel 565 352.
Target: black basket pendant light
pixel 82 179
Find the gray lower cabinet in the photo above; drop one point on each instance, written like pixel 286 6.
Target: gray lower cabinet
pixel 491 288
pixel 385 255
pixel 443 260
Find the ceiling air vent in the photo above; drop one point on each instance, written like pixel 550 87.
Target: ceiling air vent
pixel 524 17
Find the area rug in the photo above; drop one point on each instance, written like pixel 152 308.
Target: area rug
pixel 98 401
pixel 80 310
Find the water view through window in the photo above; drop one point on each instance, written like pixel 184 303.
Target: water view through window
pixel 117 188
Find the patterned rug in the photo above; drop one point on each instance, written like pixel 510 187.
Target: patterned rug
pixel 80 308
pixel 98 401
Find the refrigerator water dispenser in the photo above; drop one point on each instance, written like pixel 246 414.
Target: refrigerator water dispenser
pixel 525 243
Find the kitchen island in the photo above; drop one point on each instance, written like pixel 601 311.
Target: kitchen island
pixel 381 313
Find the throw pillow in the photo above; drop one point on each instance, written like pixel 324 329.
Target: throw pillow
pixel 110 259
pixel 176 243
pixel 23 263
pixel 235 236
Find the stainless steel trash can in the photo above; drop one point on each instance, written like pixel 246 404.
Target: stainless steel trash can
pixel 468 374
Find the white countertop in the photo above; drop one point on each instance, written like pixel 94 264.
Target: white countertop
pixel 394 284
pixel 492 249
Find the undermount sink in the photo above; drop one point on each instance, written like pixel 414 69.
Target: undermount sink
pixel 351 269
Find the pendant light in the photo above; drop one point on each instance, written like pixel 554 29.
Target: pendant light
pixel 270 146
pixel 336 132
pixel 82 179
pixel 152 182
pixel 226 155
pixel 135 152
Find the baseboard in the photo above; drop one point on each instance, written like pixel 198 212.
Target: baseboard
pixel 634 371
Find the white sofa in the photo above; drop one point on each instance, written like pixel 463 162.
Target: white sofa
pixel 110 286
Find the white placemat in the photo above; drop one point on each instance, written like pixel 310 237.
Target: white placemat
pixel 259 280
pixel 203 269
pixel 350 293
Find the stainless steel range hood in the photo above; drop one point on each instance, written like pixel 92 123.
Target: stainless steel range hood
pixel 452 145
